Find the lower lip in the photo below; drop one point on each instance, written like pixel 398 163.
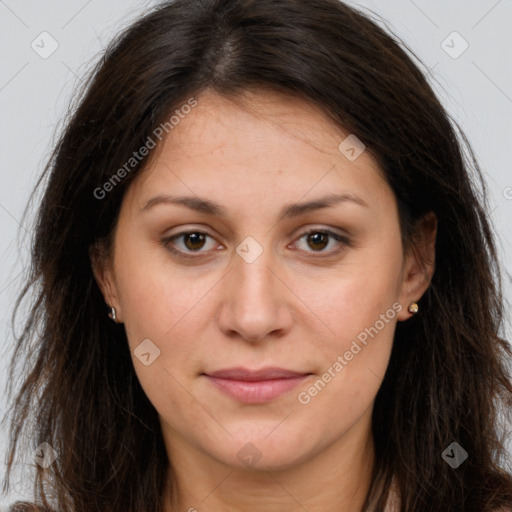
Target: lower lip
pixel 256 392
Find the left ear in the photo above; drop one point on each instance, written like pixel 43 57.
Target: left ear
pixel 419 263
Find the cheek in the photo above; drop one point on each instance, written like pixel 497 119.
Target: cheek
pixel 360 308
pixel 156 295
pixel 355 357
pixel 354 298
pixel 361 317
pixel 159 305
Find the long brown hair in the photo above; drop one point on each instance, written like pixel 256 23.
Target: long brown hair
pixel 447 379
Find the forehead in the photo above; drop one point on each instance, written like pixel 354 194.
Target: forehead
pixel 271 122
pixel 262 143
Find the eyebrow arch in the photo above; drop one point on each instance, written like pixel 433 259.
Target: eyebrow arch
pixel 291 210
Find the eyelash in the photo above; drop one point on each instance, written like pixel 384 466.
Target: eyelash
pixel 167 242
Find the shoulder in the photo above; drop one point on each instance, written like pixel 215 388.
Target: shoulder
pixel 393 502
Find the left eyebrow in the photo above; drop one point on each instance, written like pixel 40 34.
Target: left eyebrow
pixel 291 210
pixel 294 210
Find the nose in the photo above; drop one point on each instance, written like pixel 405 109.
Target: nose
pixel 256 302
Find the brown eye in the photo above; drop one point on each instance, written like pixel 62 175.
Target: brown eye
pixel 318 240
pixel 194 241
pixel 191 241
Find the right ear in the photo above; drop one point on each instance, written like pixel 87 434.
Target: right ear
pixel 102 268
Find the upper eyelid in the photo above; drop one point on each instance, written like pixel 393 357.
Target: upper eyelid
pixel 301 230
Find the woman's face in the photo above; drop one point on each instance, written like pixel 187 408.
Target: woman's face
pixel 248 288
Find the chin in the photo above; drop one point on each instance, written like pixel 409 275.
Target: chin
pixel 257 453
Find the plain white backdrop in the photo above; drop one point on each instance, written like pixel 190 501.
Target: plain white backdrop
pixel 47 48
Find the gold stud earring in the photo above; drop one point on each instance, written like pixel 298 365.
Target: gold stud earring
pixel 413 308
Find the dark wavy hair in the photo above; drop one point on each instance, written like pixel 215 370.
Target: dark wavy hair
pixel 448 378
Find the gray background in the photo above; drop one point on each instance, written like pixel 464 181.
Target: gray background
pixel 475 87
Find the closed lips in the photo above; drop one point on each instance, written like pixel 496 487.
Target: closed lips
pixel 243 374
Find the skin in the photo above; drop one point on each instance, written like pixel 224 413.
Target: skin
pixel 298 306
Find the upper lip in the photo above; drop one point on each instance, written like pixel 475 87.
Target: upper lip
pixel 240 373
